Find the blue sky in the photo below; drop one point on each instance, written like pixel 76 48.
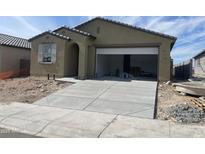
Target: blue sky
pixel 190 31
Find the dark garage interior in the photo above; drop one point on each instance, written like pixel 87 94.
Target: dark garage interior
pixel 144 66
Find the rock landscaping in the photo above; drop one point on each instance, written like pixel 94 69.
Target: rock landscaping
pixel 178 108
pixel 186 113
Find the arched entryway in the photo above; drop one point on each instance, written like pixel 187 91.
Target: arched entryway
pixel 72 60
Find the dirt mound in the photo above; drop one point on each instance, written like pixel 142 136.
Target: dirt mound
pixel 28 89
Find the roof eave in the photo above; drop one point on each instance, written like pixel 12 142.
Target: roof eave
pixel 130 26
pixel 45 33
pixel 13 41
pixel 172 44
pixel 12 46
pixel 199 54
pixel 70 29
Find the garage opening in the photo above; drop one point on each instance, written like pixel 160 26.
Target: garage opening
pixel 132 63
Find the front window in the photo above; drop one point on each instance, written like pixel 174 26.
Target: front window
pixel 46 52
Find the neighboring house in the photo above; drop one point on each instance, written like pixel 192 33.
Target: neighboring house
pixel 199 65
pixel 13 51
pixel 102 47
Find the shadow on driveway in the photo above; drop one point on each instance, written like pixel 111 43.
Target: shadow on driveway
pixel 5 133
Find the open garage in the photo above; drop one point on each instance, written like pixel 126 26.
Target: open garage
pixel 135 62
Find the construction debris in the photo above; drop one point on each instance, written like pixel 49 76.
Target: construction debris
pixel 178 108
pixel 195 88
pixel 202 98
pixel 168 82
pixel 199 103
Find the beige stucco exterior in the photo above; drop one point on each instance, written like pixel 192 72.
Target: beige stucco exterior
pixel 43 69
pixel 199 66
pixel 65 57
pixel 10 58
pixel 82 42
pixel 116 35
pixel 107 35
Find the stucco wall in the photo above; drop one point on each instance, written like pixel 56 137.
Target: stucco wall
pixel 56 68
pixel 10 58
pixel 83 43
pixel 65 57
pixel 199 67
pixel 109 34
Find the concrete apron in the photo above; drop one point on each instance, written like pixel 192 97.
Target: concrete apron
pixel 47 121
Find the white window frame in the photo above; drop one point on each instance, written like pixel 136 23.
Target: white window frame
pixel 42 50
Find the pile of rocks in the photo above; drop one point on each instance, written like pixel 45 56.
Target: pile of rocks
pixel 186 113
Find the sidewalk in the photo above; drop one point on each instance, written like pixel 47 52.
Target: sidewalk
pixel 46 121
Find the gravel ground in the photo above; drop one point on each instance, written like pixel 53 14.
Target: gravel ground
pixel 28 89
pixel 178 108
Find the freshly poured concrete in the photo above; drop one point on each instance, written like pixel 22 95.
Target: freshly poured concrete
pixel 95 109
pixel 45 121
pixel 79 124
pixel 65 101
pixel 133 98
pixel 134 127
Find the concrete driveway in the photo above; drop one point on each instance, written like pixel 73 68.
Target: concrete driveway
pixel 129 98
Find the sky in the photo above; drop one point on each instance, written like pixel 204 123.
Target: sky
pixel 190 31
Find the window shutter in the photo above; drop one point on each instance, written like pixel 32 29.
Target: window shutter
pixel 53 53
pixel 40 53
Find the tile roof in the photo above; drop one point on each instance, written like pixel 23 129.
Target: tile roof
pixel 50 33
pixel 12 41
pixel 76 30
pixel 130 26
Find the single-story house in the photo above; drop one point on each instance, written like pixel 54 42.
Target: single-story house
pixel 102 47
pixel 14 52
pixel 199 65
